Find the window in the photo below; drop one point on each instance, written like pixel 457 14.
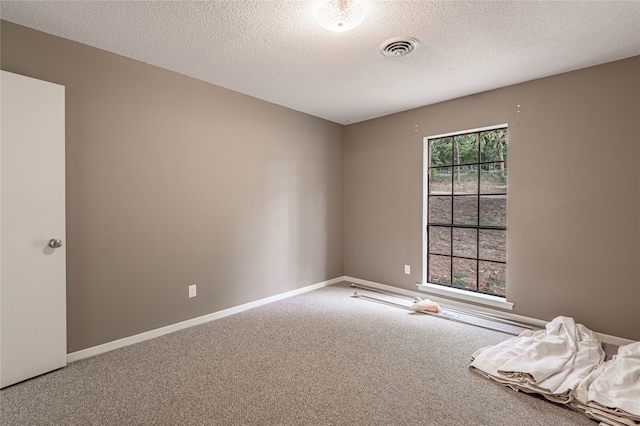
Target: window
pixel 467 210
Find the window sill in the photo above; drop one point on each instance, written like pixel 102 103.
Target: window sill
pixel 469 296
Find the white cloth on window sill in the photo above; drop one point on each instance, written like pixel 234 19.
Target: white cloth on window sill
pixel 551 362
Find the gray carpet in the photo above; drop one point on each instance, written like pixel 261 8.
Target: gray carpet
pixel 321 358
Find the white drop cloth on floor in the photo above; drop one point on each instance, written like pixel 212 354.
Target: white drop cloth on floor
pixel 565 364
pixel 611 393
pixel 551 362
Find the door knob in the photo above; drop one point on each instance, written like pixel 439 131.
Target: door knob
pixel 55 243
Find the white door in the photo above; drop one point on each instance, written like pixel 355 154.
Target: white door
pixel 33 335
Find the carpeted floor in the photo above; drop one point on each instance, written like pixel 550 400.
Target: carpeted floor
pixel 321 358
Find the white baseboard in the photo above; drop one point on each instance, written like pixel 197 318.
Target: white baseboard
pixel 120 343
pixel 606 338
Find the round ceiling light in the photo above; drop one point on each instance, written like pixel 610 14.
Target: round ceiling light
pixel 340 15
pixel 398 46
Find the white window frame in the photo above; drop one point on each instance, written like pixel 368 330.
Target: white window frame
pixel 455 293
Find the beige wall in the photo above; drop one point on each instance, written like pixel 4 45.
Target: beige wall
pixel 574 193
pixel 172 181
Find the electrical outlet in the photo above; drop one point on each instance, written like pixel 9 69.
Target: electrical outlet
pixel 407 269
pixel 192 291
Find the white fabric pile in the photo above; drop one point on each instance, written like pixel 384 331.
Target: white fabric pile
pixel 565 363
pixel 611 393
pixel 551 362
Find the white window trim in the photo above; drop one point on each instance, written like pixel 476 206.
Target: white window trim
pixel 469 296
pixel 458 132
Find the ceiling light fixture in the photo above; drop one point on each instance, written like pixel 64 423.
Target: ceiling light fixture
pixel 340 15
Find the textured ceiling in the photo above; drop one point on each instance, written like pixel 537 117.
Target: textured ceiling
pixel 276 51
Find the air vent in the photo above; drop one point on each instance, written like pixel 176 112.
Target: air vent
pixel 398 46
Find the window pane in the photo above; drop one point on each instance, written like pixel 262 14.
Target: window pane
pixel 465 179
pixel 467 190
pixel 465 210
pixel 441 152
pixel 464 273
pixel 493 178
pixel 439 270
pixel 493 210
pixel 439 240
pixel 493 278
pixel 493 245
pixel 493 145
pixel 440 180
pixel 465 149
pixel 439 209
pixel 465 242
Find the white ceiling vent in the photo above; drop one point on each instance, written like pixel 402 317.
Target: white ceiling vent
pixel 398 46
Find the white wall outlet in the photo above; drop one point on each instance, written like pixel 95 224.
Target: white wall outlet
pixel 192 290
pixel 407 269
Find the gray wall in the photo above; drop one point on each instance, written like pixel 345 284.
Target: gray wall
pixel 172 181
pixel 573 245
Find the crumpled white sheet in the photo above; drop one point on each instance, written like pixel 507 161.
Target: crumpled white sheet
pixel 551 362
pixel 611 393
pixel 609 418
